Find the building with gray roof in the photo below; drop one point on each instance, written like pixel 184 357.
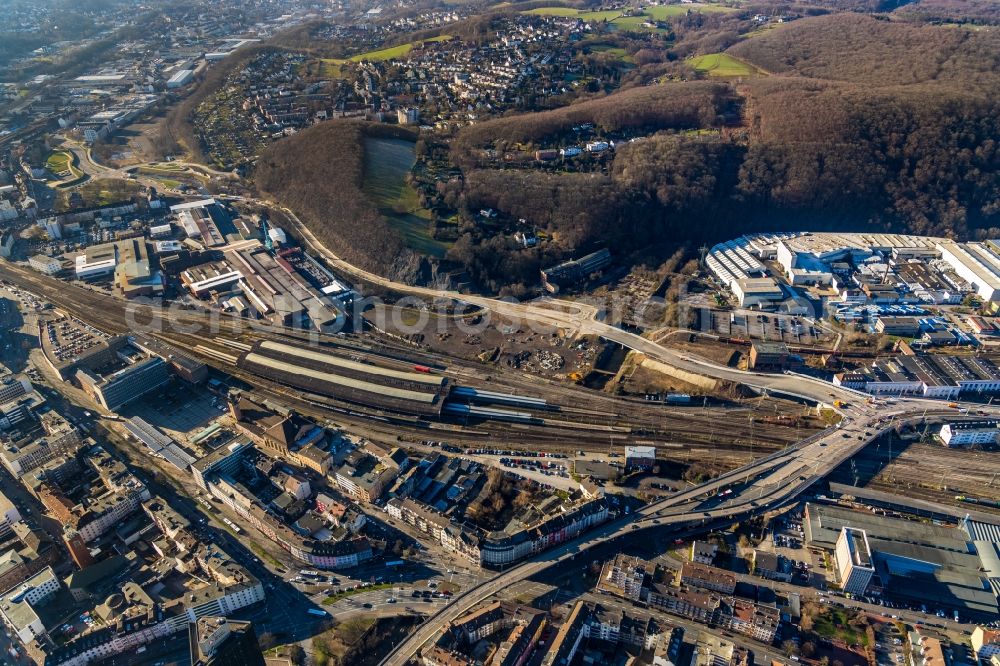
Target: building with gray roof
pixel 917 562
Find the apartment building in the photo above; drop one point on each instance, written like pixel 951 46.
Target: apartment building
pixel 967 433
pixel 708 578
pixel 854 561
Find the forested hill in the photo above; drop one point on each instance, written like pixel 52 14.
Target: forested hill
pixel 318 173
pixel 844 121
pixel 868 51
pixel 897 116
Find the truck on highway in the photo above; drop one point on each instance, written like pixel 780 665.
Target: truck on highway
pixel 317 612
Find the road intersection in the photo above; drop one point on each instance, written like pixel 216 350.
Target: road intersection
pixel 761 486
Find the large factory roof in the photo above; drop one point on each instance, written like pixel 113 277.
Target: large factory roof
pixel 977 259
pixel 938 561
pixel 821 243
pixel 824 524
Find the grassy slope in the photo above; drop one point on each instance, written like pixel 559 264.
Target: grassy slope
pixel 554 11
pixel 319 173
pixel 332 68
pixel 723 64
pixel 386 165
pixel 395 51
pixel 61 161
pixel 634 23
pixel 662 12
pixel 58 162
pixel 657 13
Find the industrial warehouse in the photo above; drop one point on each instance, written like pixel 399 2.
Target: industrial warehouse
pixel 951 567
pixel 325 373
pixel 288 287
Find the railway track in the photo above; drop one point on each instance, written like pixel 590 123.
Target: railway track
pixel 606 419
pixel 926 471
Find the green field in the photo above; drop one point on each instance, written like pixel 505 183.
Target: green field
pixel 606 15
pixel 60 163
pixel 166 166
pixel 387 163
pixel 662 12
pixel 610 50
pixel 634 23
pixel 333 68
pixel 554 11
pixel 168 183
pixel 395 51
pixel 99 192
pixel 722 64
pixel 612 53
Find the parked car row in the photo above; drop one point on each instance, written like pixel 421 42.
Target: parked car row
pixel 520 454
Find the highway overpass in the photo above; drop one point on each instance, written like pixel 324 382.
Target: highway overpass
pixel 759 487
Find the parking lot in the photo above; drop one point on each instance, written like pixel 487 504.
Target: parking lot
pixel 180 410
pixel 890 648
pixel 786 539
pixel 763 326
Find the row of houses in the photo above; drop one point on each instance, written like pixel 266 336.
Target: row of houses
pixel 522 628
pixel 500 548
pixel 215 473
pixel 704 593
pixel 134 618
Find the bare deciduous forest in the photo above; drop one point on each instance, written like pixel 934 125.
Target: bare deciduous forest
pixel 861 123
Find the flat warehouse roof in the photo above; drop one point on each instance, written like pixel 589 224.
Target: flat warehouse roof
pixel 201 203
pixel 977 259
pixel 330 359
pixel 330 378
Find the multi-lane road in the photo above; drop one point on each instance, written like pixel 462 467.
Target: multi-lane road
pixel 759 487
pixel 762 486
